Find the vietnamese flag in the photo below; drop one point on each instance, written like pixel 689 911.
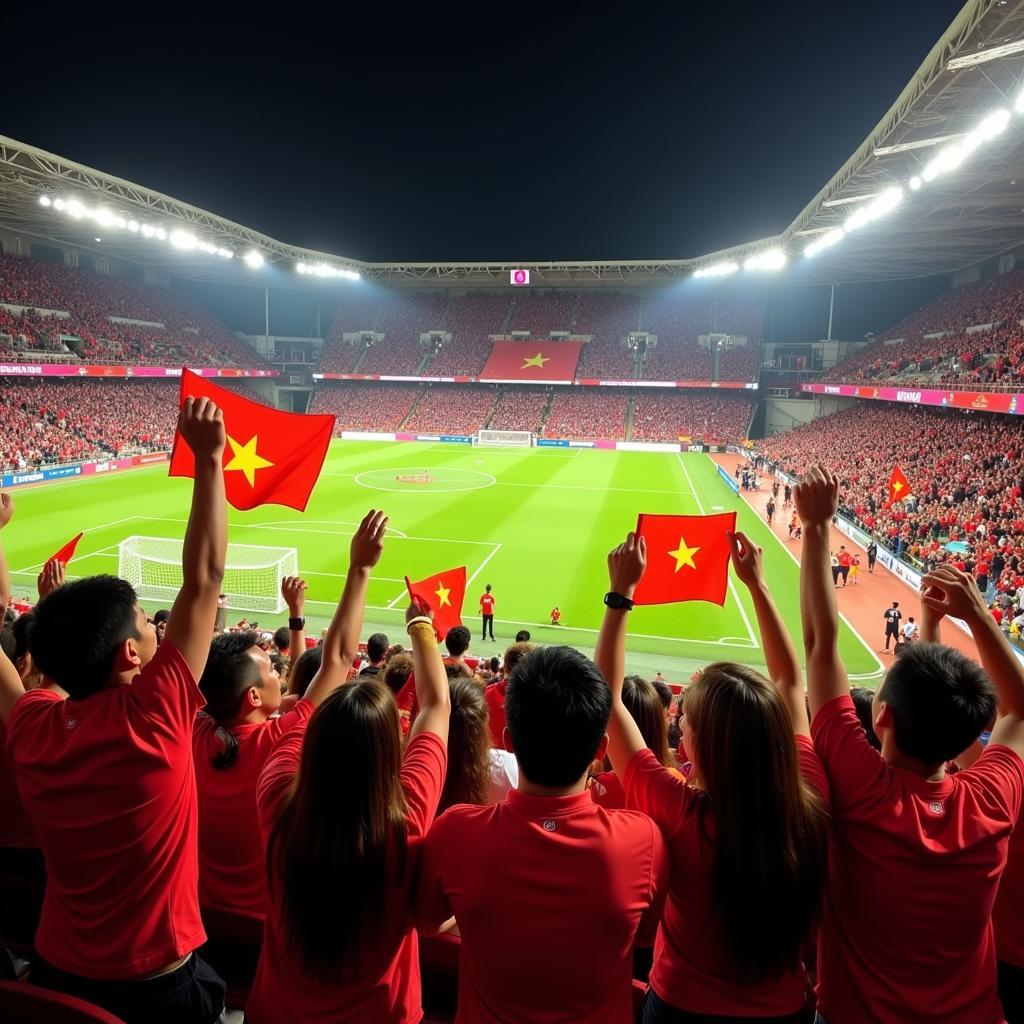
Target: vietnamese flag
pixel 899 486
pixel 527 361
pixel 444 593
pixel 271 457
pixel 687 558
pixel 66 553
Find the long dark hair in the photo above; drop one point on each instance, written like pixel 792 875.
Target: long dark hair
pixel 644 704
pixel 340 829
pixel 770 844
pixel 469 746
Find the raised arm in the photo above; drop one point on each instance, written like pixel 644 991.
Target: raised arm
pixel 626 565
pixel 293 590
pixel 11 687
pixel 817 498
pixel 951 592
pixel 432 690
pixel 779 652
pixel 341 644
pixel 194 612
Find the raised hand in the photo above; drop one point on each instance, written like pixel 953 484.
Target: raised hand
pixel 6 508
pixel 816 496
pixel 50 578
pixel 201 424
pixel 626 564
pixel 293 590
pixel 418 609
pixel 746 559
pixel 368 541
pixel 948 591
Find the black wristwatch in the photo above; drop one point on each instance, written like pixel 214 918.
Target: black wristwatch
pixel 614 600
pixel 296 623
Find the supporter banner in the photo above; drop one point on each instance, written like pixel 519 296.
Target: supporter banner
pixel 36 476
pixel 80 370
pixel 982 401
pixel 589 382
pixel 369 435
pixel 733 485
pixel 551 442
pixel 538 362
pixel 646 446
pixel 456 439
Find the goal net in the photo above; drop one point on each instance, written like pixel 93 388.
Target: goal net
pixel 252 576
pixel 504 438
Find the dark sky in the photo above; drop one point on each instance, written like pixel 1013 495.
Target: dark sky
pixel 533 131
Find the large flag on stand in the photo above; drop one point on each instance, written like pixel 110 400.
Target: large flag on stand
pixel 444 593
pixel 271 457
pixel 528 361
pixel 899 486
pixel 687 558
pixel 66 553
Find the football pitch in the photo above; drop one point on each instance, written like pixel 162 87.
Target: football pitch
pixel 534 523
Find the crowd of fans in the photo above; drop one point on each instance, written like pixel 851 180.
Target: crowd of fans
pixel 455 409
pixel 173 330
pixel 47 422
pixel 542 312
pixel 785 851
pixel 969 337
pixel 378 407
pixel 578 413
pixel 715 417
pixel 519 409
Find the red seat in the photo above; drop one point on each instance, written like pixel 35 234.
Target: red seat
pixel 28 1004
pixel 232 948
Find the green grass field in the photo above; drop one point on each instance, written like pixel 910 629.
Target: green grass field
pixel 536 524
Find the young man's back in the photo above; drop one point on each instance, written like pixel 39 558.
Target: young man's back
pixel 550 894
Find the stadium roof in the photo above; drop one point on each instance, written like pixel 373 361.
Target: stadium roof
pixel 970 211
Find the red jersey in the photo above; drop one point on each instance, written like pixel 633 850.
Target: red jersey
pixel 487 604
pixel 913 872
pixel 690 958
pixel 383 988
pixel 110 785
pixel 556 886
pixel 495 695
pixel 231 872
pixel 16 830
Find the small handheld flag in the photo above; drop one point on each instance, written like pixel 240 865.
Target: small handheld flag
pixel 687 558
pixel 271 457
pixel 899 486
pixel 66 553
pixel 443 593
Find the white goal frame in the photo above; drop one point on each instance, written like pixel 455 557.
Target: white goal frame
pixel 504 438
pixel 252 576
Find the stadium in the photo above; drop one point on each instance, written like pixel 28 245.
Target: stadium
pixel 516 420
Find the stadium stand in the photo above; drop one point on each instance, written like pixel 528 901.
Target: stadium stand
pixel 380 407
pixel 171 329
pixel 471 320
pixel 588 412
pixel 542 312
pixel 404 318
pixel 716 417
pixel 451 410
pixel 519 410
pixel 607 318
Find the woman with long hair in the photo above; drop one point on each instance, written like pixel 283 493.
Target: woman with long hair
pixel 746 830
pixel 344 811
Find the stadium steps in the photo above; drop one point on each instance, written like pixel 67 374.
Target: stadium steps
pixel 547 411
pixel 360 358
pixel 412 408
pixel 506 323
pixel 421 366
pixel 630 409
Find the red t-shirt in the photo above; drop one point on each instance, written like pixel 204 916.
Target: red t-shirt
pixel 384 989
pixel 16 830
pixel 1007 917
pixel 487 604
pixel 690 960
pixel 914 867
pixel 231 872
pixel 550 894
pixel 845 559
pixel 606 791
pixel 495 695
pixel 110 785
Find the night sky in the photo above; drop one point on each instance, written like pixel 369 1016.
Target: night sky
pixel 519 131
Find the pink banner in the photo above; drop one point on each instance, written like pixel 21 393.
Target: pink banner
pixel 590 382
pixel 81 370
pixel 982 401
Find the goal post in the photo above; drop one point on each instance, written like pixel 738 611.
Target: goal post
pixel 504 438
pixel 252 574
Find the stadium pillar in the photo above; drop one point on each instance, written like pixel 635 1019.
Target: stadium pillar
pixel 831 307
pixel 266 315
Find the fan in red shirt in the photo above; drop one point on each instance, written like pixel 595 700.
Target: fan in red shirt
pixel 487 612
pixel 917 853
pixel 746 831
pixel 107 775
pixel 495 692
pixel 344 813
pixel 550 891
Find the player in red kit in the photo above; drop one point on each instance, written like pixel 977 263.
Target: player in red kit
pixel 487 611
pixel 556 616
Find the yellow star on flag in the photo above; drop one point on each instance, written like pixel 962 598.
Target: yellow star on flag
pixel 538 360
pixel 245 459
pixel 684 555
pixel 442 593
pixel 897 486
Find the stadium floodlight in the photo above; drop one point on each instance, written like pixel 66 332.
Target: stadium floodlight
pixel 847 200
pixel 886 202
pixel 161 234
pixel 1019 105
pixel 147 231
pixel 324 270
pixel 825 242
pixel 133 225
pixel 722 269
pixel 971 60
pixel 76 209
pixel 770 259
pixel 951 157
pixel 253 259
pixel 59 204
pixel 183 239
pixel 45 201
pixel 915 182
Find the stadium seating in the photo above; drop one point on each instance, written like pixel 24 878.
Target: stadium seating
pixel 404 318
pixel 588 412
pixel 451 410
pixel 607 317
pixel 471 319
pixel 380 407
pixel 171 329
pixel 714 417
pixel 519 410
pixel 542 312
